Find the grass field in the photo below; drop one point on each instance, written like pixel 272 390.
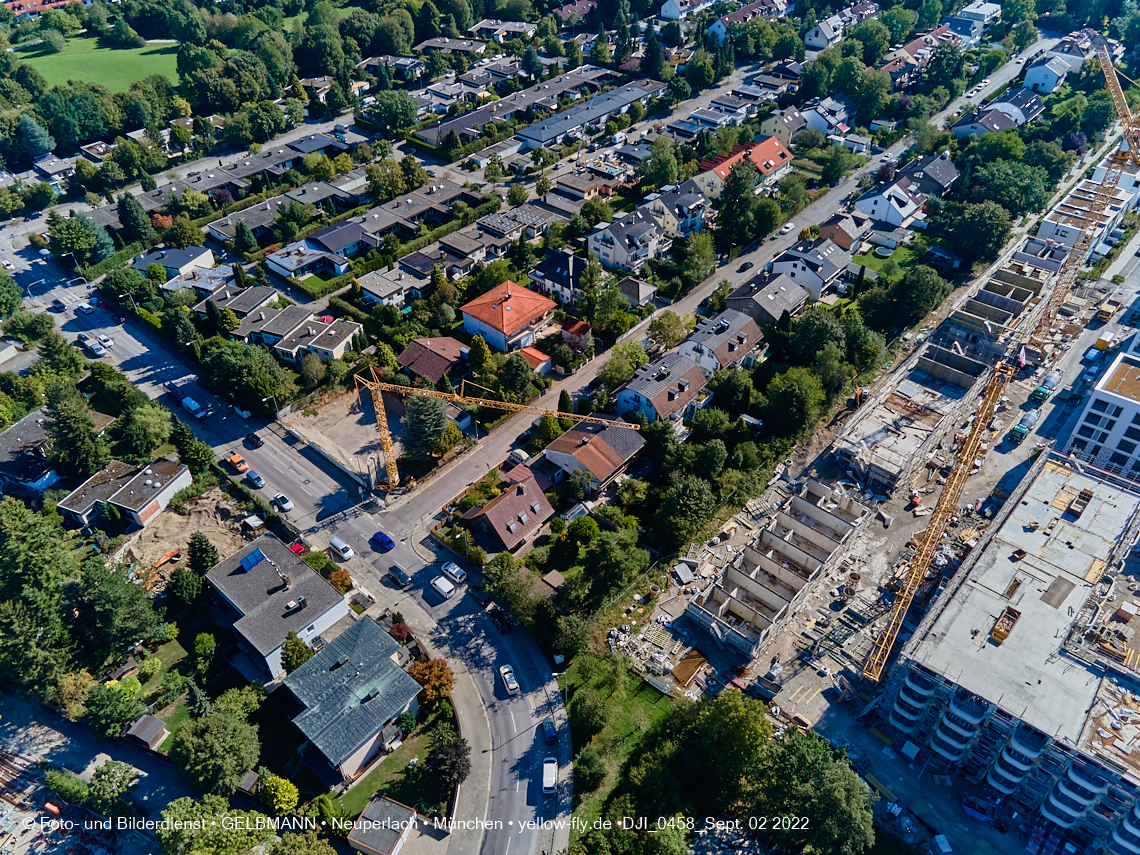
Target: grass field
pixel 83 59
pixel 903 257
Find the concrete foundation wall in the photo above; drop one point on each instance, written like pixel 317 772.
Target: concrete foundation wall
pixel 789 552
pixel 738 583
pixel 1031 278
pixel 841 506
pixel 764 564
pixel 951 367
pixel 976 324
pixel 727 636
pixel 1003 290
pixel 835 530
pixel 993 307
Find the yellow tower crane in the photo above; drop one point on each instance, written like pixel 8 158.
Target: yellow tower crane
pixel 947 504
pixel 378 388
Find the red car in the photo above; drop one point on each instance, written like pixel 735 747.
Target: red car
pixel 298 549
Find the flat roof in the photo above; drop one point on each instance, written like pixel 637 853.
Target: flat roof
pixel 1067 550
pixel 146 483
pixel 1123 378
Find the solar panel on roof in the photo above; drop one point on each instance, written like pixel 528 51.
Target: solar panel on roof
pixel 252 560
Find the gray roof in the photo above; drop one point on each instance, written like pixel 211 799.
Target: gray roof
pixel 317 142
pixel 932 174
pixel 170 257
pixel 99 488
pixel 256 217
pixel 598 106
pixel 140 490
pixel 241 302
pixel 635 289
pixel 279 322
pixel 714 333
pixel 350 688
pixel 655 380
pixel 563 267
pixel 336 237
pixel 381 825
pixel 327 336
pixel 994 121
pixel 20 447
pixel 260 595
pixel 824 258
pixel 316 192
pixel 630 228
pixel 776 296
pixel 680 199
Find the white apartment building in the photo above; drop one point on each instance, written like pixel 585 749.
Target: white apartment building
pixel 1108 432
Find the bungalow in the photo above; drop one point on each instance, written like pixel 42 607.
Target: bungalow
pixel 603 451
pixel 433 357
pixel 178 262
pixel 502 31
pixel 672 388
pixel 268 326
pixel 814 266
pixel 386 287
pixel 138 493
pixel 765 301
pixel 586 187
pixel 351 691
pixel 508 317
pixel 400 67
pixel 299 259
pixel 386 824
pixel 637 291
pixel 25 465
pixel 514 515
pixel 329 340
pixel 730 340
pixel 54 170
pixel 269 592
pixel 259 219
pixel 241 301
pixel 444 45
pixel 204 281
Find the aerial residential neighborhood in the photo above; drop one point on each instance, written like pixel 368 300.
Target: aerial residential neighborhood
pixel 503 427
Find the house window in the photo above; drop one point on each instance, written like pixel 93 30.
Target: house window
pixel 1126 446
pixel 1092 420
pixel 1085 431
pixel 1099 405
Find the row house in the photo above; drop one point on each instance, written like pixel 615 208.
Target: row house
pixel 502 31
pixel 770 157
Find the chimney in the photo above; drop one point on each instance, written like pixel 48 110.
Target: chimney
pixel 301 601
pixel 522 489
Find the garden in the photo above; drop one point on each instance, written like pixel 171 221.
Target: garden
pixel 114 67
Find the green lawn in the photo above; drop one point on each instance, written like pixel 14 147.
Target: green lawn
pixel 393 778
pixel 903 257
pixel 83 59
pixel 171 654
pixel 175 718
pixel 630 714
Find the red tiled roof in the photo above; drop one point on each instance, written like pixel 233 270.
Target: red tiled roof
pixel 535 357
pixel 521 506
pixel 508 307
pixel 576 328
pixel 768 155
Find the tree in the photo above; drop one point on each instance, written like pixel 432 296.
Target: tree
pixel 900 21
pixel 136 223
pixel 278 794
pixel 246 373
pixel 493 171
pixel 115 612
pixel 146 427
pixel 244 239
pixel 113 704
pixel 436 678
pixel 700 257
pixel 204 648
pixel 548 430
pixel 58 358
pixel 479 356
pixel 1017 187
pixel 795 402
pixel 733 735
pixel 661 167
pixel 108 783
pixel 451 764
pixel 622 365
pixel 392 112
pixel 653 62
pixel 583 531
pixel 313 370
pixel 587 713
pixel 294 653
pixel 668 329
pixel 309 843
pixel 76 444
pixel 687 506
pixel 516 377
pixel 209 825
pixel 214 752
pixel 185 587
pixel 736 223
pixel 183 233
pixel 424 420
pixel 982 230
pixel 517 194
pixel 203 553
pixel 1023 34
pixel 34 139
pixel 69 236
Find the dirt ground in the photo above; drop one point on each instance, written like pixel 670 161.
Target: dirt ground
pixel 211 514
pixel 346 429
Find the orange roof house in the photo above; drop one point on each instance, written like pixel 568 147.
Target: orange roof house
pixel 771 159
pixel 508 317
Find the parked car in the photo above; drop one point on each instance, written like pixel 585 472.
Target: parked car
pixel 1093 354
pixel 95 349
pixel 283 503
pixel 252 440
pixel 480 596
pixel 398 575
pixel 745 266
pixel 507 673
pixel 238 463
pixel 81 337
pixel 454 572
pixel 501 621
pixel 84 309
pixel 341 549
pixel 120 319
pixel 256 480
pixel 787 228
pixel 381 541
pixel 549 731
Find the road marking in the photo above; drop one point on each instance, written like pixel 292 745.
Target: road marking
pixel 513 728
pixel 508 849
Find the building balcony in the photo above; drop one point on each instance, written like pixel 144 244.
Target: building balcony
pixel 1029 742
pixel 957 725
pixel 945 750
pixel 1013 759
pixel 1133 827
pixel 1057 817
pixel 1120 845
pixel 903 711
pixel 1087 778
pixel 902 724
pixel 998 784
pixel 968 709
pixel 1014 775
pixel 952 737
pixel 1066 802
pixel 1076 791
pixel 922 687
pixel 913 698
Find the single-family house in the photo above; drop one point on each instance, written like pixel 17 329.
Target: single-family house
pixel 681 211
pixel 508 317
pixel 351 691
pixel 844 231
pixel 637 291
pixel 629 241
pixel 893 204
pixel 268 326
pixel 759 9
pixel 672 388
pixel 300 259
pixel 54 170
pixel 732 339
pixel 824 34
pixel 829 115
pixel 931 175
pixel 678 10
pixel 385 287
pixel 203 281
pixel 259 219
pixel 433 357
pixel 578 8
pixel 766 300
pixel 770 157
pixel 514 516
pixel 448 46
pixel 604 451
pixel 1021 105
pixel 269 592
pixel 815 266
pixel 784 125
pixel 559 275
pixel 25 464
pixel 983 122
pixel 1047 75
pixel 241 301
pixel 501 31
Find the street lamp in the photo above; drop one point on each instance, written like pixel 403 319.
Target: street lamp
pixel 197 348
pixel 466 550
pixel 275 410
pixel 134 307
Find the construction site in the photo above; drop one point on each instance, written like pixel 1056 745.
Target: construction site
pixel 949 603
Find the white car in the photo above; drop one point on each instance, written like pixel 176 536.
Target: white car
pixel 283 503
pixel 787 228
pixel 9 265
pixel 106 341
pixel 886 158
pixel 84 308
pixel 95 349
pixel 1021 60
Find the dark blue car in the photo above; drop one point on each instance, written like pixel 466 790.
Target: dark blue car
pixel 382 541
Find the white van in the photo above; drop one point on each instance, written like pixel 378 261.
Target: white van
pixel 518 456
pixel 454 572
pixel 549 775
pixel 342 550
pixel 443 587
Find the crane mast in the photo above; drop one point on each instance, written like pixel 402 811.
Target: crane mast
pixel 960 469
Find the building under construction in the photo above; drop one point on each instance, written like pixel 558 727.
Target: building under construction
pixel 1020 677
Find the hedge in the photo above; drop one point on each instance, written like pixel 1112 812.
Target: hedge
pixel 151 319
pixel 326 287
pixel 338 305
pixel 113 261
